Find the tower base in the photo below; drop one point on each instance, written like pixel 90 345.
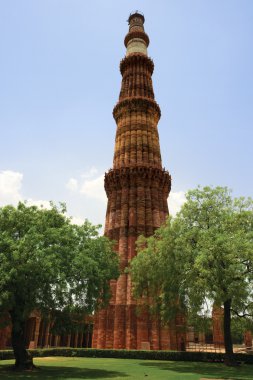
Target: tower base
pixel 123 327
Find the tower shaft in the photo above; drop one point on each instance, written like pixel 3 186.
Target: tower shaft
pixel 137 189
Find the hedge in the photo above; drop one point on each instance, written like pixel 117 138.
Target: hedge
pixel 131 354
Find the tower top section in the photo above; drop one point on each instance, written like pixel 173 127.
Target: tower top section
pixel 136 40
pixel 136 15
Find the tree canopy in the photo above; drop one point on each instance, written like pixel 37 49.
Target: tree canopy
pixel 50 265
pixel 203 256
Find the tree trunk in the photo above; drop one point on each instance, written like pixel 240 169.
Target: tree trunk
pixel 23 359
pixel 229 355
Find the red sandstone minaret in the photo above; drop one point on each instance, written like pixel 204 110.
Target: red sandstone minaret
pixel 137 189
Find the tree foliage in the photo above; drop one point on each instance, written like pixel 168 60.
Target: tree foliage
pixel 49 265
pixel 202 256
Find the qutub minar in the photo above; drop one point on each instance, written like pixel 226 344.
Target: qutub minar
pixel 137 189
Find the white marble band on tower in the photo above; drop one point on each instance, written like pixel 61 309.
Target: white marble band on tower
pixel 136 45
pixel 136 40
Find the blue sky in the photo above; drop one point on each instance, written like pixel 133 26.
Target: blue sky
pixel 59 81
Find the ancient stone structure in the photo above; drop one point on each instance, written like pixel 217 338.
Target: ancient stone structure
pixel 247 338
pixel 218 333
pixel 137 189
pixel 38 334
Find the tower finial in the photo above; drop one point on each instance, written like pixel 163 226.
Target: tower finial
pixel 136 14
pixel 136 41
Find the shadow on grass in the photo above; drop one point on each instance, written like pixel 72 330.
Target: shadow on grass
pixel 208 370
pixel 48 373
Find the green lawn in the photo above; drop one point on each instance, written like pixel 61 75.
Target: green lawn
pixel 56 368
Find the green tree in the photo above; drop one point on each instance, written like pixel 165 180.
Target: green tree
pixel 201 257
pixel 49 265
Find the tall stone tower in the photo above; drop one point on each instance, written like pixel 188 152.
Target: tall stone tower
pixel 137 189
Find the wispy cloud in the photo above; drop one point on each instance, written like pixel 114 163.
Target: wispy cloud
pixel 89 185
pixel 10 187
pixel 77 220
pixel 94 188
pixel 11 193
pixel 176 201
pixel 38 203
pixel 72 184
pixel 90 173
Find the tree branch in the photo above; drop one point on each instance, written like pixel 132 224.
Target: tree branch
pixel 241 315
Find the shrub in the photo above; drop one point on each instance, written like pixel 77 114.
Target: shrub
pixel 131 354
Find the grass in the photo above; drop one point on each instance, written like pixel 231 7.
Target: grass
pixel 62 368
